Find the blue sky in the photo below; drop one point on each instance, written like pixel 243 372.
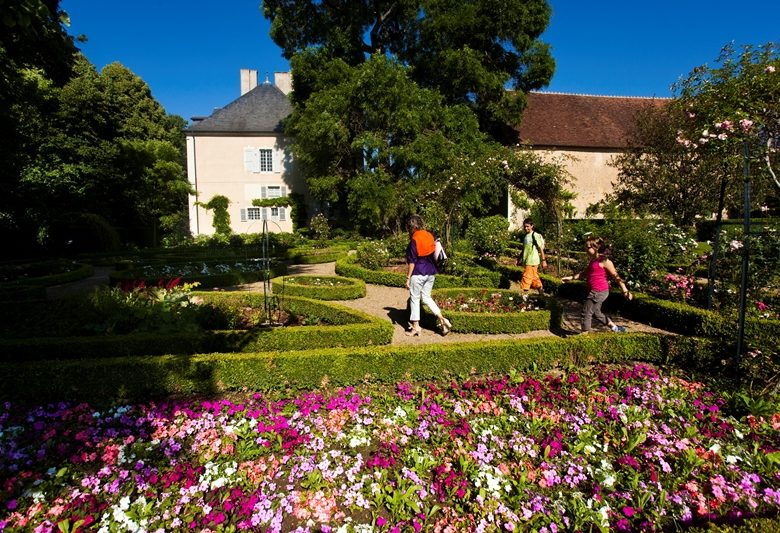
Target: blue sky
pixel 190 52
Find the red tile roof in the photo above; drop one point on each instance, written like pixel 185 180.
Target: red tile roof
pixel 559 120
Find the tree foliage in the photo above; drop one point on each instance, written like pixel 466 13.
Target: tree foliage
pixel 659 175
pixel 468 50
pixel 688 153
pixel 376 145
pixel 100 144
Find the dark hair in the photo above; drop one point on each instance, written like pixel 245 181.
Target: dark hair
pixel 528 221
pixel 415 223
pixel 599 244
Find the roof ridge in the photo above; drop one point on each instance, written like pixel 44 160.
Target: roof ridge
pixel 603 95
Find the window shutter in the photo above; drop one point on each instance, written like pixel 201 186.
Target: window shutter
pixel 284 191
pixel 265 213
pixel 243 215
pixel 277 161
pixel 251 159
pixel 263 192
pixel 282 213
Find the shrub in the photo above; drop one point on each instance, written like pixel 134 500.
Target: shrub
pixel 489 236
pixel 320 287
pixel 396 244
pixel 373 255
pixel 319 228
pixel 638 250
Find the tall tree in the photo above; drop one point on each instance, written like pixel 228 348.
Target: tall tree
pixel 34 46
pixel 659 175
pixel 108 149
pixel 469 50
pixel 687 159
pixel 374 143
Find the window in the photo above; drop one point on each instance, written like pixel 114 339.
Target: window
pixel 274 191
pixel 251 214
pixel 266 160
pixel 259 160
pixel 254 213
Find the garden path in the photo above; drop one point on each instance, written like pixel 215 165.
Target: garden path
pixel 390 303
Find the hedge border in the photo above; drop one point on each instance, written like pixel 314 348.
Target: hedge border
pixel 356 288
pixel 491 323
pixel 123 379
pixel 353 328
pixel 348 268
pixel 82 271
pixel 308 255
pixel 211 280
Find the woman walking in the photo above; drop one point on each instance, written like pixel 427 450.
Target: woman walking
pixel 421 274
pixel 596 273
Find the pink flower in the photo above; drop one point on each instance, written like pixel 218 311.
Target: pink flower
pixel 745 124
pixel 769 69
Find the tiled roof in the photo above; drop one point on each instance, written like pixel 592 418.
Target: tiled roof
pixel 558 120
pixel 260 110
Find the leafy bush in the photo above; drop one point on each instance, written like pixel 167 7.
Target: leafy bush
pixel 319 228
pixel 680 243
pixel 373 255
pixel 489 236
pixel 396 244
pixel 638 250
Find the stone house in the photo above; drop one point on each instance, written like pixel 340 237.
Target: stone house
pixel 240 152
pixel 586 132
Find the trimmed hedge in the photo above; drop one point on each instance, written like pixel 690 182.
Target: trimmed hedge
pixel 347 267
pixel 122 379
pixel 347 327
pixel 81 271
pixel 345 289
pixel 684 319
pixel 309 255
pixel 226 279
pixel 491 323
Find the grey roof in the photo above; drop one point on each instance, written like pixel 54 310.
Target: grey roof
pixel 260 110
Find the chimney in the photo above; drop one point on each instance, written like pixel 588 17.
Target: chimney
pixel 283 81
pixel 248 80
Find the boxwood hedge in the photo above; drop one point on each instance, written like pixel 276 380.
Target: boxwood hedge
pixel 549 317
pixel 344 327
pixel 320 287
pixel 119 379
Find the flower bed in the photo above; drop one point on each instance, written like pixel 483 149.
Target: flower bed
pixel 495 310
pixel 625 449
pixel 320 287
pixel 207 274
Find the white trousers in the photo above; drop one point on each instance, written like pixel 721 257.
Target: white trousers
pixel 420 287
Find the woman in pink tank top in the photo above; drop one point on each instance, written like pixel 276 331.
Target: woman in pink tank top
pixel 597 273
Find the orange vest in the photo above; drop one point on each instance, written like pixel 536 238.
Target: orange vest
pixel 424 242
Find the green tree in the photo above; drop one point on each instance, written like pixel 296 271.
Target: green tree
pixel 375 144
pixel 468 50
pixel 659 175
pixel 34 47
pixel 101 145
pixel 687 158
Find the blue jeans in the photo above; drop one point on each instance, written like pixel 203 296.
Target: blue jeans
pixel 420 287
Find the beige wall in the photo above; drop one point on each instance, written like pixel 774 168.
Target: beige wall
pixel 215 166
pixel 592 178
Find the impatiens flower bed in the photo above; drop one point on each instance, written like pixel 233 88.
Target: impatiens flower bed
pixel 610 448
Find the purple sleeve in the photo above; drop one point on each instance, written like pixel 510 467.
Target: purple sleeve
pixel 411 252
